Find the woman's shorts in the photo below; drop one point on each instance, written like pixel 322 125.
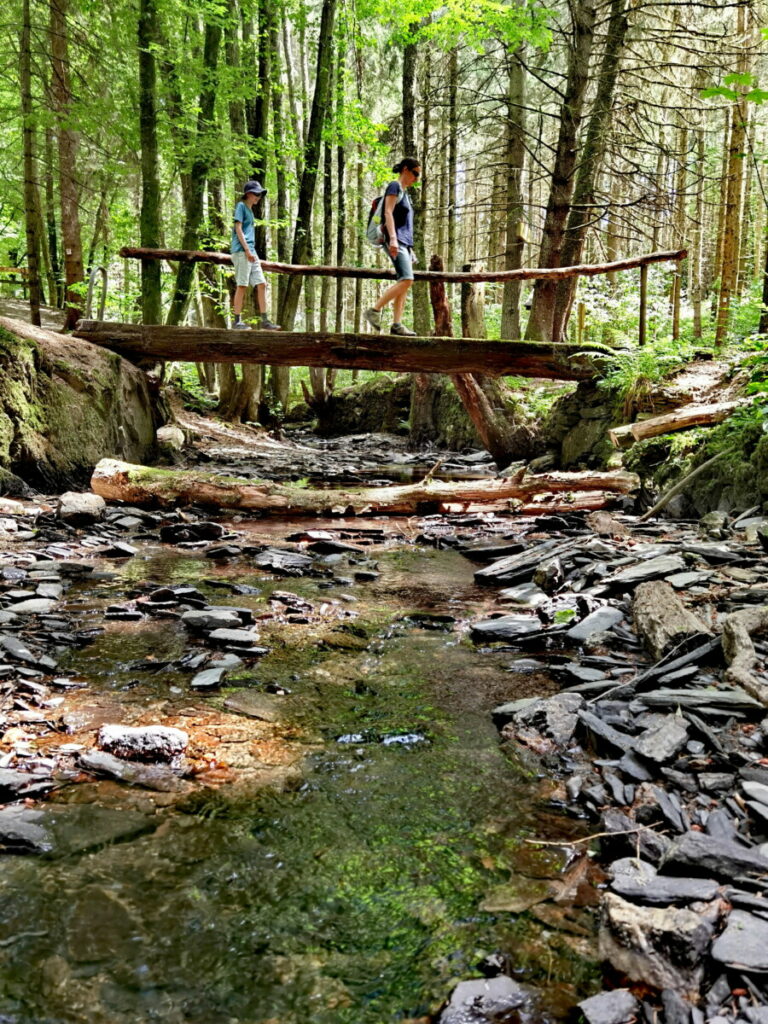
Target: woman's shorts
pixel 246 273
pixel 403 264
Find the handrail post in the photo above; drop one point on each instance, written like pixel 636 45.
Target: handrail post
pixel 89 299
pixel 643 303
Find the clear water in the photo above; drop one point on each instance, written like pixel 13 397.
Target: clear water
pixel 351 897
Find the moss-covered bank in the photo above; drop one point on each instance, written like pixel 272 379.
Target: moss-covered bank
pixel 64 405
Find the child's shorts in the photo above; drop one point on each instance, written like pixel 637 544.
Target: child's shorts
pixel 247 273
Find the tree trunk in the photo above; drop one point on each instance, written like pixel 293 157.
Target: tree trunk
pixel 733 189
pixel 583 210
pixel 541 321
pixel 150 229
pixel 54 282
pixel 30 175
pixel 194 194
pixel 514 247
pixel 311 159
pixel 69 188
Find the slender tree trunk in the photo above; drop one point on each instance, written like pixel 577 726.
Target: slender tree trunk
pixel 341 191
pixel 193 198
pixel 28 131
pixel 311 159
pixel 150 230
pixel 514 242
pixel 54 280
pixel 69 190
pixel 733 191
pixel 541 321
pixel 583 210
pixel 697 256
pixel 453 125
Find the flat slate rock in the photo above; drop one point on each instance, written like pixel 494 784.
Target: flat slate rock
pixel 484 1001
pixel 744 943
pixel 209 678
pixel 156 777
pixel 720 857
pixel 284 563
pixel 596 622
pixel 255 705
pixel 618 1006
pixel 15 785
pixel 650 569
pixel 206 620
pixel 665 889
pixel 506 627
pixel 620 741
pixel 58 830
pixel 661 742
pixel 242 639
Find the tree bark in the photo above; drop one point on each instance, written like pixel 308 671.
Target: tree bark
pixel 30 177
pixel 681 419
pixel 361 351
pixel 69 141
pixel 541 321
pixel 583 212
pixel 195 192
pixel 311 159
pixel 515 218
pixel 141 485
pixel 150 229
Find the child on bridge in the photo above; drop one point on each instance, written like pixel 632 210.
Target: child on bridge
pixel 245 260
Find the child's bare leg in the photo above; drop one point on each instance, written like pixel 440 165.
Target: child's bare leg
pixel 239 299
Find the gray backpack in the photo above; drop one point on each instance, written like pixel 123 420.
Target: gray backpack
pixel 374 230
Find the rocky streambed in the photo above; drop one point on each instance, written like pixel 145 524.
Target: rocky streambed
pixel 255 772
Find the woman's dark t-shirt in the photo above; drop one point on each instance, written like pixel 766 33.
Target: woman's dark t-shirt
pixel 402 214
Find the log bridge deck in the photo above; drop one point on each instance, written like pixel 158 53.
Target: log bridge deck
pixel 142 342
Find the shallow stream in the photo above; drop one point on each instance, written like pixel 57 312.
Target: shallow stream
pixel 354 894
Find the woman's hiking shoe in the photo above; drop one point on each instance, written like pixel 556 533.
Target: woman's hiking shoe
pixel 267 325
pixel 402 330
pixel 373 317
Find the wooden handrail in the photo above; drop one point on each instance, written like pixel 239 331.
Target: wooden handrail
pixel 523 274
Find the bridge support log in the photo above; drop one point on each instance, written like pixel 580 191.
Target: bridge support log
pixel 141 485
pixel 343 351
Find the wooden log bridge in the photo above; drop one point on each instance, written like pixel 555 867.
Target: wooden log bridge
pixel 138 342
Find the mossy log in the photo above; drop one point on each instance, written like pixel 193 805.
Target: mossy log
pixel 343 351
pixel 142 485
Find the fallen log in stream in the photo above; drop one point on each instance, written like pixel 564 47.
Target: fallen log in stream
pixel 142 485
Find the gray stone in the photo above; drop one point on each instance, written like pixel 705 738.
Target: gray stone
pixel 255 705
pixel 19 651
pixel 631 868
pixel 144 742
pixel 666 889
pixel 602 731
pixel 661 742
pixel 208 679
pixel 226 661
pixel 50 590
pixel 660 946
pixel 744 943
pixel 240 638
pixel 556 716
pixel 483 1001
pixel 756 791
pixel 209 619
pixel 618 1006
pixel 505 627
pixel 15 785
pixel 80 509
pixel 650 569
pixel 59 830
pixel 596 622
pixel 157 777
pixel 526 595
pixel 119 550
pixel 34 606
pixel 7 618
pixel 720 857
pixel 283 563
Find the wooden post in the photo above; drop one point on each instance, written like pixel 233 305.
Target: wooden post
pixel 676 287
pixel 581 321
pixel 643 303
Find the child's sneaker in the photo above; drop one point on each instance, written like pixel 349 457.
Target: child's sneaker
pixel 373 317
pixel 240 326
pixel 267 325
pixel 402 330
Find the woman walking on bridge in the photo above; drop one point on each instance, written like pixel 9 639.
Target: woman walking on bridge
pixel 397 227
